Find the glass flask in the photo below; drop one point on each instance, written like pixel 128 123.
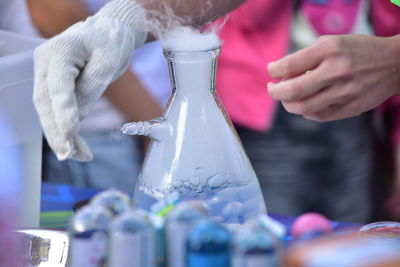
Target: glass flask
pixel 195 149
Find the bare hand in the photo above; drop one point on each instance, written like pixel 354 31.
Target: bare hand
pixel 338 77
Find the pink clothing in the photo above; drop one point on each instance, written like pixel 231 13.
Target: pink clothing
pixel 386 21
pixel 337 17
pixel 258 32
pixel 251 40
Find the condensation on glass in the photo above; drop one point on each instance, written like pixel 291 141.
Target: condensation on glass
pixel 195 149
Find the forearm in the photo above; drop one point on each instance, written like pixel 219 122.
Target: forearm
pixel 51 17
pixel 131 98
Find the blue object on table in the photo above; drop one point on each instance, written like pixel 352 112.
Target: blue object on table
pixel 208 244
pixel 57 202
pixel 56 197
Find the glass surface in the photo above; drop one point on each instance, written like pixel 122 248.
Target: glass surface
pixel 381 231
pixel 195 149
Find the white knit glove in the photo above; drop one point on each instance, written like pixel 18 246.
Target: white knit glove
pixel 73 69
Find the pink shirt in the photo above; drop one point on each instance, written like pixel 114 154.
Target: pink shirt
pixel 386 21
pixel 258 32
pixel 251 40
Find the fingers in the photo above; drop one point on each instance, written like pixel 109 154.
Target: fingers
pixel 60 82
pixel 335 112
pixel 54 97
pixel 295 64
pixel 329 96
pixel 298 87
pixel 97 75
pixel 42 99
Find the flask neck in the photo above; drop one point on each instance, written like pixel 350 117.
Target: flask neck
pixel 192 72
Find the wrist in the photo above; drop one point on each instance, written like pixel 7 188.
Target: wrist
pixel 129 14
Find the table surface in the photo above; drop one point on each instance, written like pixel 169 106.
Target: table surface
pixel 57 201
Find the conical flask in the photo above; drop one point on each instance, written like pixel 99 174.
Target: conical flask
pixel 195 149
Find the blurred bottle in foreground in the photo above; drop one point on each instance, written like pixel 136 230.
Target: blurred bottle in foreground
pixel 132 241
pixel 256 246
pixel 116 201
pixel 208 244
pixel 178 222
pixel 88 233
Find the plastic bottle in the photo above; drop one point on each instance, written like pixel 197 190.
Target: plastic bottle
pixel 132 241
pixel 177 224
pixel 208 244
pixel 117 202
pixel 255 246
pixel 88 237
pixel 158 225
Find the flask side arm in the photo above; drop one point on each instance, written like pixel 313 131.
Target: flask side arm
pixel 156 129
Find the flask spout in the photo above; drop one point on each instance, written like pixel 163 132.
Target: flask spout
pixel 156 129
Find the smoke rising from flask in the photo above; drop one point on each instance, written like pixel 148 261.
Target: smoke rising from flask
pixel 182 33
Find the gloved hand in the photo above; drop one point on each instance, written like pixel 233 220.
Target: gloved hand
pixel 73 69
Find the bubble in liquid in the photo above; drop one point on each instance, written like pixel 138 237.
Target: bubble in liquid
pixel 232 212
pixel 231 193
pixel 187 189
pixel 218 181
pixel 233 201
pixel 177 184
pixel 217 203
pixel 214 201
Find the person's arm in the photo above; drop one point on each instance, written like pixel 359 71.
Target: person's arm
pixel 132 99
pixel 338 77
pixel 52 17
pixel 127 94
pixel 73 69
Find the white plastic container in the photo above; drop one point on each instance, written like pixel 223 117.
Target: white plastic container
pixel 16 108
